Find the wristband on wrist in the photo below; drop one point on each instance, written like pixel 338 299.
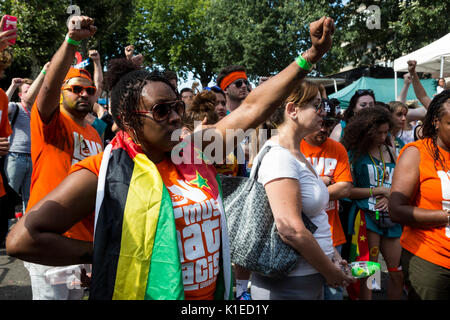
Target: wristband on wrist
pixel 43 71
pixel 371 191
pixel 72 42
pixel 304 64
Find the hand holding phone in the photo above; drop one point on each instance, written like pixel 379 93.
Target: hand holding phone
pixel 8 31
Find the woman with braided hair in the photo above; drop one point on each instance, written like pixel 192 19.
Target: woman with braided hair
pixel 160 229
pixel 419 200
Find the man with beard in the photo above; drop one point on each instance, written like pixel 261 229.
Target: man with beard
pixel 329 159
pixel 60 137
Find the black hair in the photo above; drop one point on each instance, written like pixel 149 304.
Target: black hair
pixel 186 90
pixel 170 75
pixel 361 129
pixel 125 80
pixel 436 110
pixel 227 70
pixel 349 112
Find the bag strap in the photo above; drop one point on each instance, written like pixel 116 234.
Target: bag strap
pixel 260 158
pixel 16 113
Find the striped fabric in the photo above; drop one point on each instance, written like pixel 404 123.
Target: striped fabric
pixel 135 243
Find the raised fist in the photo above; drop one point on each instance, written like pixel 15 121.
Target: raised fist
pixel 94 55
pixel 129 50
pixel 81 27
pixel 412 66
pixel 320 32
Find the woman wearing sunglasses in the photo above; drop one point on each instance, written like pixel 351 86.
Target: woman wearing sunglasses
pixel 160 231
pixel 361 99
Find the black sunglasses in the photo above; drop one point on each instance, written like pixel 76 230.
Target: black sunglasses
pixel 238 83
pixel 161 111
pixel 362 92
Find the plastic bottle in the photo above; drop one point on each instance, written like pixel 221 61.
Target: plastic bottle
pixel 69 275
pixel 363 269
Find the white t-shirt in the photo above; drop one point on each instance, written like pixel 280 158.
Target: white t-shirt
pixel 280 163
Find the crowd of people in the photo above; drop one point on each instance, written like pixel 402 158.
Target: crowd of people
pixel 92 158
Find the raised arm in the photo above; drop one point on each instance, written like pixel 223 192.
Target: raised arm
pixel 419 90
pixel 15 83
pixel 98 72
pixel 264 99
pixel 49 95
pixel 35 87
pixel 404 92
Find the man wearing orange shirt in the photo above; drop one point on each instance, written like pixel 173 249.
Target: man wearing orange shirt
pixel 60 137
pixel 329 159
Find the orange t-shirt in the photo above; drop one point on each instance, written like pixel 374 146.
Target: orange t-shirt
pixel 197 221
pixel 430 244
pixel 5 128
pixel 55 147
pixel 330 159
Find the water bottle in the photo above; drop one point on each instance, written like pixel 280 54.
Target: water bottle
pixel 363 269
pixel 69 275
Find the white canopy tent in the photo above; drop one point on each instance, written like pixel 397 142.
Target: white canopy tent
pixel 433 58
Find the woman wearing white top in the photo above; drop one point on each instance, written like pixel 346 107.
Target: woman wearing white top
pixel 293 187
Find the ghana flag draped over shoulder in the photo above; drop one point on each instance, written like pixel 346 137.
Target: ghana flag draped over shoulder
pixel 136 254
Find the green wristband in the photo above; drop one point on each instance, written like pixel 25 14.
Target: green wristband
pixel 72 42
pixel 43 71
pixel 304 64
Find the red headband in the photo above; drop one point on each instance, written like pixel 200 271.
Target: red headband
pixel 232 77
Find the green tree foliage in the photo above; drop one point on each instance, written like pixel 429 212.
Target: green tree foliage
pixel 170 35
pixel 203 36
pixel 42 28
pixel 405 26
pixel 264 36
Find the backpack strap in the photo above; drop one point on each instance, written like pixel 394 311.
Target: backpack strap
pixel 14 118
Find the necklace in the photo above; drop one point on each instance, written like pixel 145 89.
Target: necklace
pixel 382 173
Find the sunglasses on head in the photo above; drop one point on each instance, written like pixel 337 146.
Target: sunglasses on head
pixel 214 89
pixel 238 83
pixel 161 111
pixel 362 92
pixel 77 89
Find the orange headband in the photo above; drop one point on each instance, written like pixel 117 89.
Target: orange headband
pixel 78 73
pixel 232 77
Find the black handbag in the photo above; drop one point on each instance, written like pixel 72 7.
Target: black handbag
pixel 384 220
pixel 254 240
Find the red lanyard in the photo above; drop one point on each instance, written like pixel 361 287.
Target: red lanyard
pixel 26 110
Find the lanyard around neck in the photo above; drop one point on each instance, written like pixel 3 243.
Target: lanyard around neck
pixel 376 166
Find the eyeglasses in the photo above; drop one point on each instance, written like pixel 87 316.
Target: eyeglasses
pixel 161 111
pixel 320 107
pixel 362 92
pixel 238 83
pixel 77 89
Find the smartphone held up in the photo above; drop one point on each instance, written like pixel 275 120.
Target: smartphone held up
pixel 10 23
